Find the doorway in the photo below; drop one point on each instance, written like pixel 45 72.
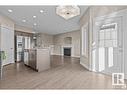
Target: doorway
pixel 107 52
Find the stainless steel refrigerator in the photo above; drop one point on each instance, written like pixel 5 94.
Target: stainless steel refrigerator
pixel 22 43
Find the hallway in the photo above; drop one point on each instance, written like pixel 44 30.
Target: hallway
pixel 65 73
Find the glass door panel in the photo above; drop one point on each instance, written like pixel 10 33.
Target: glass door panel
pixel 108 41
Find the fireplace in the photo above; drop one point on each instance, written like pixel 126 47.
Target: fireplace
pixel 67 51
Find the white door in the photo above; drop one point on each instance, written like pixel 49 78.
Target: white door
pixel 7 45
pixel 108 46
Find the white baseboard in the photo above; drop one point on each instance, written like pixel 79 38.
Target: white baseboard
pixel 84 65
pixel 76 56
pixel 57 54
pixel 63 55
pixel 7 64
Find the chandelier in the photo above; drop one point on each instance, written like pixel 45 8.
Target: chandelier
pixel 68 12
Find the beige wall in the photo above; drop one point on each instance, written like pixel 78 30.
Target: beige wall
pixel 56 42
pixel 59 43
pixel 96 11
pixel 6 22
pixel 44 40
pixel 85 19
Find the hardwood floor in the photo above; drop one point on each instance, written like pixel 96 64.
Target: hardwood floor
pixel 65 73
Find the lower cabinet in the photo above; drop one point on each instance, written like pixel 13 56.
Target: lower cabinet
pixel 37 59
pixel 32 59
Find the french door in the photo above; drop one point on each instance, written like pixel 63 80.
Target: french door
pixel 107 53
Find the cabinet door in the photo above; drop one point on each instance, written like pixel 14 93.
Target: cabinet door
pixel 32 59
pixel 7 45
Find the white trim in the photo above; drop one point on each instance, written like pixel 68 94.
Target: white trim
pixel 57 54
pixel 67 46
pixel 86 28
pixel 76 56
pixel 63 55
pixel 85 65
pixel 2 26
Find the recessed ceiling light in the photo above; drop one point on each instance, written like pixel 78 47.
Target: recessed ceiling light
pixel 34 16
pixel 9 10
pixel 35 24
pixel 41 11
pixel 23 20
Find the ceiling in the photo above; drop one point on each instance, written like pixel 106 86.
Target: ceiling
pixel 47 22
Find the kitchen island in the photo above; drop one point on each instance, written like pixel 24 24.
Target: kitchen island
pixel 37 59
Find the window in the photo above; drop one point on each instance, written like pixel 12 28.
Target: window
pixel 85 41
pixel 108 35
pixel 94 60
pixel 110 56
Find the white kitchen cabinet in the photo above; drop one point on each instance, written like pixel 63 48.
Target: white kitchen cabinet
pixel 7 44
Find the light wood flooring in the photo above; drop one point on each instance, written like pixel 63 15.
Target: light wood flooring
pixel 65 73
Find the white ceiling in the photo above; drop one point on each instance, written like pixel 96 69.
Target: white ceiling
pixel 47 22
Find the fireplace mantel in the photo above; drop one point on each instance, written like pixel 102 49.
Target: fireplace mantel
pixel 67 46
